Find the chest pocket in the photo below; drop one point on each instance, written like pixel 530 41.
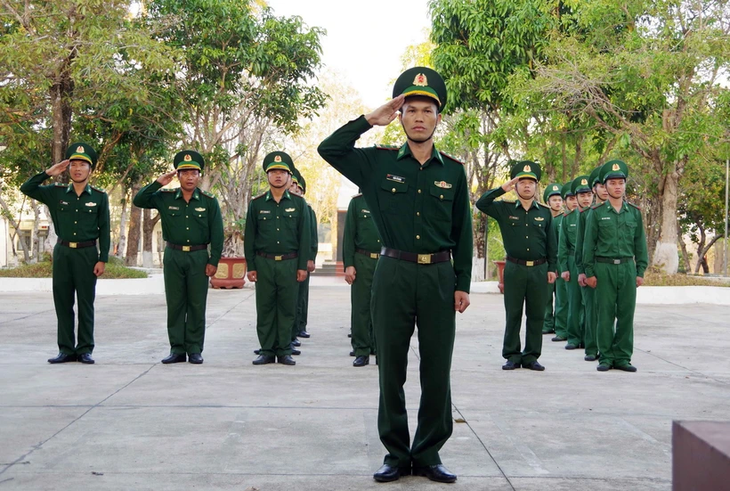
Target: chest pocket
pixel 200 216
pixel 539 227
pixel 393 196
pixel 291 219
pixel 441 203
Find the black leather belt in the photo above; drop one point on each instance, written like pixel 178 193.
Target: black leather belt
pixel 611 260
pixel 536 262
pixel 77 245
pixel 278 257
pixel 437 257
pixel 371 255
pixel 187 248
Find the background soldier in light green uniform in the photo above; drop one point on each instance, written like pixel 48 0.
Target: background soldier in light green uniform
pixel 276 246
pixel 191 219
pixel 615 258
pixel 302 315
pixel 80 214
pixel 529 239
pixel 419 200
pixel 570 202
pixel 360 254
pixel 555 320
pixel 589 296
pixel 566 257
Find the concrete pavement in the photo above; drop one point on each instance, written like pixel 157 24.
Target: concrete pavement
pixel 130 423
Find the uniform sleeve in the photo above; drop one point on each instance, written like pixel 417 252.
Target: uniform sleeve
pixel 104 230
pixel 486 202
pixel 579 241
pixel 315 237
pixel 249 237
pixel 339 151
pixel 348 237
pixel 215 225
pixel 563 246
pixel 640 248
pixel 33 189
pixel 148 197
pixel 461 230
pixel 589 245
pixel 305 236
pixel 552 246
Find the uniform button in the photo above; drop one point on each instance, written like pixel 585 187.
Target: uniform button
pixel 186 216
pixel 418 213
pixel 277 241
pixel 378 241
pixel 418 236
pixel 441 196
pixel 528 248
pixel 393 190
pixel 76 222
pixel 188 240
pixel 527 237
pixel 419 191
pixel 187 228
pixel 277 229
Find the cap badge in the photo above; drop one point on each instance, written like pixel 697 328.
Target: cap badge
pixel 616 167
pixel 584 182
pixel 527 168
pixel 277 158
pixel 80 149
pixel 555 188
pixel 188 158
pixel 420 80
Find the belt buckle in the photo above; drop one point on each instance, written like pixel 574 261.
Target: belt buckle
pixel 278 258
pixel 529 263
pixel 424 259
pixel 374 255
pixel 186 248
pixel 616 261
pixel 73 245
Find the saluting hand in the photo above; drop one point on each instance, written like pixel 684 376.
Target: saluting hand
pixel 386 113
pixel 461 301
pixel 552 276
pixel 592 281
pixel 252 276
pixel 210 270
pixel 510 185
pixel 166 179
pixel 301 275
pixel 57 169
pixel 350 274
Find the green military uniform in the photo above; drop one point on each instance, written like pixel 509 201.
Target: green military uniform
pixel 566 258
pixel 556 319
pixel 277 244
pixel 615 253
pixel 562 300
pixel 188 227
pixel 361 249
pixel 302 314
pixel 423 216
pixel 530 242
pixel 79 221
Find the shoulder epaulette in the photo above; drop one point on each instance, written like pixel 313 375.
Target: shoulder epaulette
pixel 451 157
pixel 168 190
pixel 208 194
pixel 631 204
pixel 541 204
pixel 596 206
pixel 357 195
pixel 98 189
pixel 259 196
pixel 386 147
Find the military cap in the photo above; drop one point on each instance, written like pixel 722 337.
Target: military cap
pixel 189 159
pixel 580 185
pixel 614 169
pixel 278 160
pixel 593 178
pixel 81 151
pixel 295 176
pixel 303 184
pixel 551 190
pixel 526 169
pixel 421 81
pixel 567 191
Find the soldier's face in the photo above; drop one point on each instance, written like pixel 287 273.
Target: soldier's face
pixel 526 188
pixel 294 188
pixel 584 199
pixel 278 178
pixel 188 178
pixel 79 170
pixel 419 117
pixel 616 188
pixel 555 202
pixel 571 203
pixel 600 191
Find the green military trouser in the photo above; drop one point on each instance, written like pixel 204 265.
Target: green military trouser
pixel 524 286
pixel 73 276
pixel 556 320
pixel 591 312
pixel 186 293
pixel 548 324
pixel 405 293
pixel 277 291
pixel 302 312
pixel 616 292
pixel 363 339
pixel 575 306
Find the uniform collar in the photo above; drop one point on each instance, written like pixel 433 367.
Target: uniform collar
pixel 196 194
pixel 405 151
pixel 624 208
pixel 518 204
pixel 285 195
pixel 70 188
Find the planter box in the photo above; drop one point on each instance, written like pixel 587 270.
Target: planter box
pixel 231 273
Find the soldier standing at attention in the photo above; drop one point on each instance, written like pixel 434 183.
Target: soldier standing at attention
pixel 80 215
pixel 529 240
pixel 615 258
pixel 555 321
pixel 191 220
pixel 419 200
pixel 360 254
pixel 571 203
pixel 300 324
pixel 276 246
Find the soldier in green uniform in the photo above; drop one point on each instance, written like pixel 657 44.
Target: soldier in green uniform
pixel 555 320
pixel 530 241
pixel 80 215
pixel 589 297
pixel 419 200
pixel 300 323
pixel 277 248
pixel 571 203
pixel 566 258
pixel 615 258
pixel 191 221
pixel 360 254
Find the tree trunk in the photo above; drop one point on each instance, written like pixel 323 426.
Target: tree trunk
pixel 685 255
pixel 135 216
pixel 665 254
pixel 149 223
pixel 16 226
pixel 702 254
pixel 121 246
pixel 34 238
pixel 700 249
pixel 61 92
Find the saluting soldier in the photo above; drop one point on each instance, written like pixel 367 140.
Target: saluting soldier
pixel 277 247
pixel 80 215
pixel 589 297
pixel 529 239
pixel 360 254
pixel 191 222
pixel 555 319
pixel 615 258
pixel 571 203
pixel 419 200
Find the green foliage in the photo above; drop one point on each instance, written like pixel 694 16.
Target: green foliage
pixel 45 270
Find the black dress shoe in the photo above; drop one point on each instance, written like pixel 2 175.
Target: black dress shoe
pixel 286 360
pixel 195 358
pixel 304 334
pixel 175 358
pixel 552 331
pixel 534 365
pixel 510 365
pixel 437 473
pixel 62 358
pixel 361 361
pixel 558 339
pixel 296 342
pixel 602 367
pixel 257 351
pixel 571 346
pixel 296 352
pixel 352 353
pixel 388 473
pixel 626 368
pixel 349 334
pixel 86 358
pixel 264 359
pixel 590 357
